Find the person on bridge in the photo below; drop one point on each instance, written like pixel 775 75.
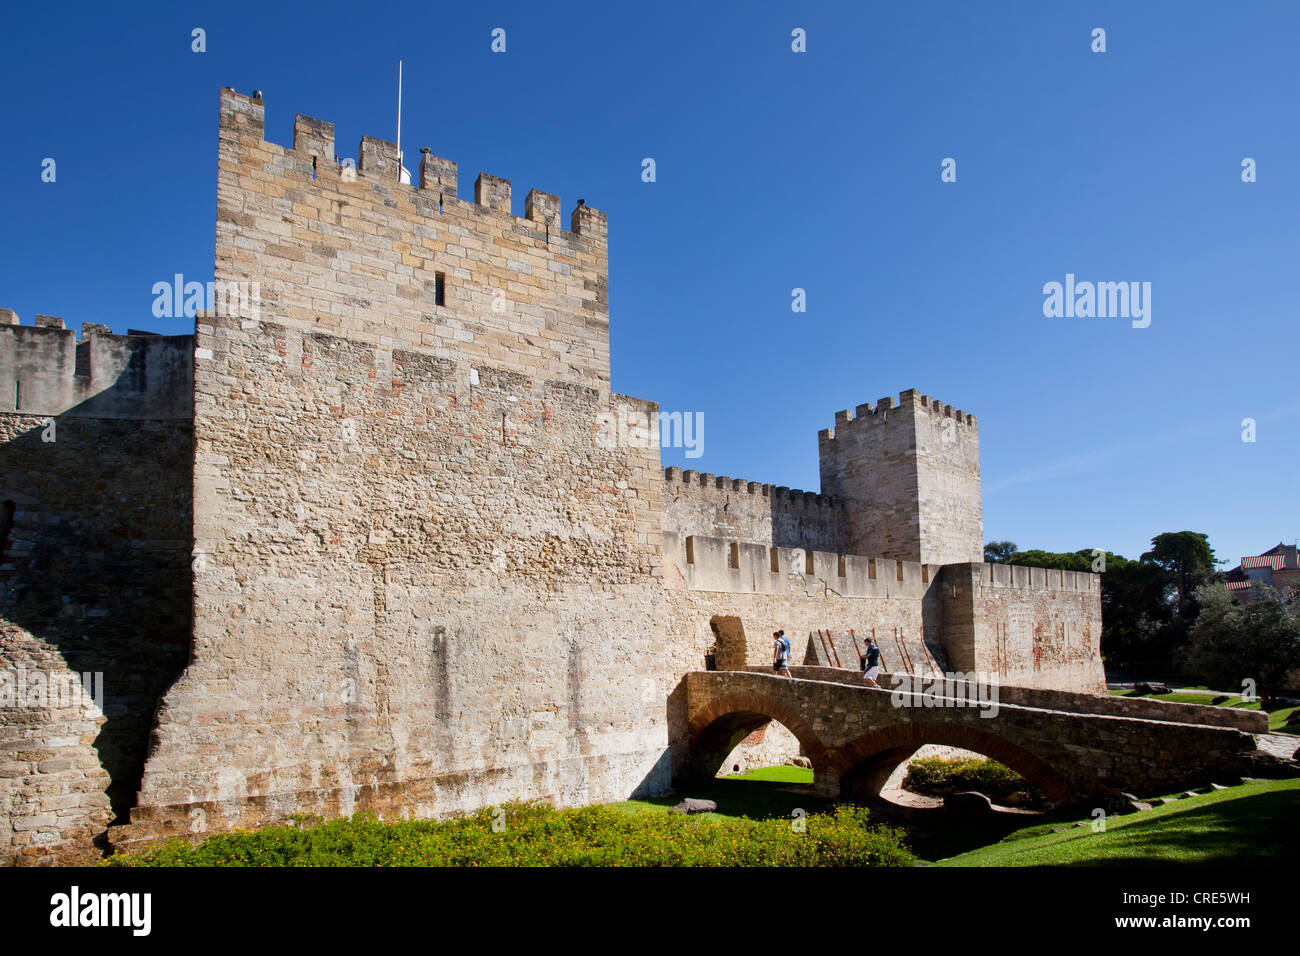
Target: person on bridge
pixel 870 659
pixel 781 653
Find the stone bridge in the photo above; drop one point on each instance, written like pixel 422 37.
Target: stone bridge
pixel 1071 746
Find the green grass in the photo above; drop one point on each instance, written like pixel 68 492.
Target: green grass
pixel 757 828
pixel 1244 824
pixel 764 793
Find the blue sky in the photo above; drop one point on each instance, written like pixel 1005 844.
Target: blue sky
pixel 776 170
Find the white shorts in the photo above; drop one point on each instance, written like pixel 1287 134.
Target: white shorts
pixel 872 672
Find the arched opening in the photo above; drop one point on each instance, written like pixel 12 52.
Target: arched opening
pixel 744 741
pixel 729 643
pixel 869 762
pixel 720 728
pixel 940 827
pixel 737 761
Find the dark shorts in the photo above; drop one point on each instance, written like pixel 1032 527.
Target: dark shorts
pixel 780 667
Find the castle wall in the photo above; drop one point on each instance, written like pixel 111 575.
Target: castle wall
pixel 718 506
pixel 374 508
pixel 1033 627
pixel 93 575
pixel 420 595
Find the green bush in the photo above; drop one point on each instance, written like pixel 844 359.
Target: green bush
pixel 939 776
pixel 535 834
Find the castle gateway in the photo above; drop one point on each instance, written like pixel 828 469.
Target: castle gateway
pixel 359 545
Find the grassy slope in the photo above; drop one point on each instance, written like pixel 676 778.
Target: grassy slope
pixel 1252 822
pixel 760 794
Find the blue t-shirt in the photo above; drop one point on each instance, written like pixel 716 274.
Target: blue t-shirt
pixel 782 650
pixel 873 656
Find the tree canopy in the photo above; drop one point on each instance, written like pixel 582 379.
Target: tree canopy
pixel 1257 641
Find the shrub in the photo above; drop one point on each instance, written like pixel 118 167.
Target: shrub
pixel 939 776
pixel 536 834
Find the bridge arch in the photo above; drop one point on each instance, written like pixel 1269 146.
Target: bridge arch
pixel 864 764
pixel 721 724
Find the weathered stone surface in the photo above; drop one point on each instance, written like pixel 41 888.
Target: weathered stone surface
pixel 1143 687
pixel 856 736
pixel 693 805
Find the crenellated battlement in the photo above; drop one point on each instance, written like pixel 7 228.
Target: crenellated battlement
pixel 909 400
pixel 360 249
pixel 1034 579
pixel 377 160
pixel 793 497
pixel 709 563
pixel 46 371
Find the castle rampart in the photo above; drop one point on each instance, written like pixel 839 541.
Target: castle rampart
pixel 1029 626
pixel 709 505
pixel 96 445
pixel 45 370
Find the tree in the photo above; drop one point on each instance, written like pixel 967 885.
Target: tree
pixel 1188 558
pixel 999 552
pixel 1232 642
pixel 1135 613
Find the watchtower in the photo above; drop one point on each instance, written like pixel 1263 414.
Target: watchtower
pixel 909 475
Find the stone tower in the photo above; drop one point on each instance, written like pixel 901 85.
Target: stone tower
pixel 909 476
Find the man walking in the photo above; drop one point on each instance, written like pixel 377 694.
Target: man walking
pixel 781 653
pixel 870 659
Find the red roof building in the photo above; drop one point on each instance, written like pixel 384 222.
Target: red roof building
pixel 1278 567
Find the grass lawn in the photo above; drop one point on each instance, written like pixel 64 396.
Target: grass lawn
pixel 634 833
pixel 764 793
pixel 1244 824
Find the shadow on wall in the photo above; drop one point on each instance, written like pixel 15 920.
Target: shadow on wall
pixel 95 575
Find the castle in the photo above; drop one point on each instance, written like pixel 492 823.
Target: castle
pixel 362 547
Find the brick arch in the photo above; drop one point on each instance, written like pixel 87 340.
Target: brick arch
pixel 740 705
pixel 877 753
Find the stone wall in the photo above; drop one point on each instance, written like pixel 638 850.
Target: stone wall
pixel 1031 626
pixel 373 508
pixel 1027 626
pixel 856 737
pixel 730 596
pixel 95 485
pixel 423 592
pixel 718 506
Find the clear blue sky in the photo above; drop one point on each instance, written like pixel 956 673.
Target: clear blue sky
pixel 776 170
